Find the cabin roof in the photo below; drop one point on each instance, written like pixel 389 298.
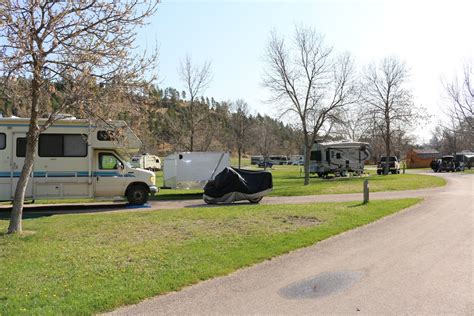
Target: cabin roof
pixel 426 151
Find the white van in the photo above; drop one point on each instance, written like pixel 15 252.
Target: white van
pixel 75 159
pixel 146 161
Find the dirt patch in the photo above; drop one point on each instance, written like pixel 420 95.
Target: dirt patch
pixel 298 220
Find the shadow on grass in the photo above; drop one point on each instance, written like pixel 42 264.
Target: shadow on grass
pixel 175 196
pixel 50 210
pixel 358 205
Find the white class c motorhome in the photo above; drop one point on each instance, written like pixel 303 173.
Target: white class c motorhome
pixel 75 159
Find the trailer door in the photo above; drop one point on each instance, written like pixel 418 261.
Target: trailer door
pixel 17 161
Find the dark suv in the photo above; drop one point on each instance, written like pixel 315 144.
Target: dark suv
pixel 446 163
pixel 393 165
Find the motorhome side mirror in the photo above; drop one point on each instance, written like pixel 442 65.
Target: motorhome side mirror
pixel 120 166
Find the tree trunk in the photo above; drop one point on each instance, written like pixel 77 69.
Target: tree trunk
pixel 240 155
pixel 387 146
pixel 191 119
pixel 307 156
pixel 387 154
pixel 19 198
pixel 32 137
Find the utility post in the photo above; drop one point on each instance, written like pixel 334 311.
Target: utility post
pixel 366 191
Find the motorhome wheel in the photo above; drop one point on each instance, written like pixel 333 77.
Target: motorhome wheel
pixel 137 195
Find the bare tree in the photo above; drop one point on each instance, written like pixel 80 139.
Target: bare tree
pixel 461 96
pixel 196 80
pixel 311 85
pixel 81 48
pixel 239 125
pixel 390 106
pixel 264 136
pixel 352 124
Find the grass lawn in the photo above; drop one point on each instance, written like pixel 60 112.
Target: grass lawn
pixel 84 264
pixel 288 181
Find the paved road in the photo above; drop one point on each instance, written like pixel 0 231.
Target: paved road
pixel 419 261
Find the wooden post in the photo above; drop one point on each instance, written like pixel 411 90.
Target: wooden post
pixel 366 191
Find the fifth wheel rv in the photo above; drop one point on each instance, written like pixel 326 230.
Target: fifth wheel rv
pixel 339 158
pixel 74 159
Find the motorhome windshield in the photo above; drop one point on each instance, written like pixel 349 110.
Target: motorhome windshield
pixel 391 159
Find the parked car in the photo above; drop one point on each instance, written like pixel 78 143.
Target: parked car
pixel 278 159
pixel 446 163
pixel 265 164
pixel 297 160
pixel 393 165
pixel 254 160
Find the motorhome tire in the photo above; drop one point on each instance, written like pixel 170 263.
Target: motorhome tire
pixel 137 195
pixel 256 200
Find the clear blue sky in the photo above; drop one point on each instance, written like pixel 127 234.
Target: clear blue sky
pixel 434 38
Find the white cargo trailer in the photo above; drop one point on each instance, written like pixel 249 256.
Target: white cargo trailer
pixel 339 158
pixel 75 159
pixel 192 170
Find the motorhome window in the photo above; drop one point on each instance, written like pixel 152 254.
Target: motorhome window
pixel 3 141
pixel 106 135
pixel 51 145
pixel 62 145
pixel 75 146
pixel 108 162
pixel 338 155
pixel 21 147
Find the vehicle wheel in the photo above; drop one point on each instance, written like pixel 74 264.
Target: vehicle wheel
pixel 256 200
pixel 137 195
pixel 379 172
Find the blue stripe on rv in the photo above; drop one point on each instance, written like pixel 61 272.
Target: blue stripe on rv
pixel 67 174
pixel 62 126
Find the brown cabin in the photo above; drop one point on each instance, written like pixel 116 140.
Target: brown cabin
pixel 421 158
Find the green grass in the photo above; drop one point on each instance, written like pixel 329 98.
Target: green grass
pixel 84 264
pixel 288 181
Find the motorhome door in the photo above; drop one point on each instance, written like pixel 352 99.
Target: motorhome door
pixel 109 179
pixel 17 161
